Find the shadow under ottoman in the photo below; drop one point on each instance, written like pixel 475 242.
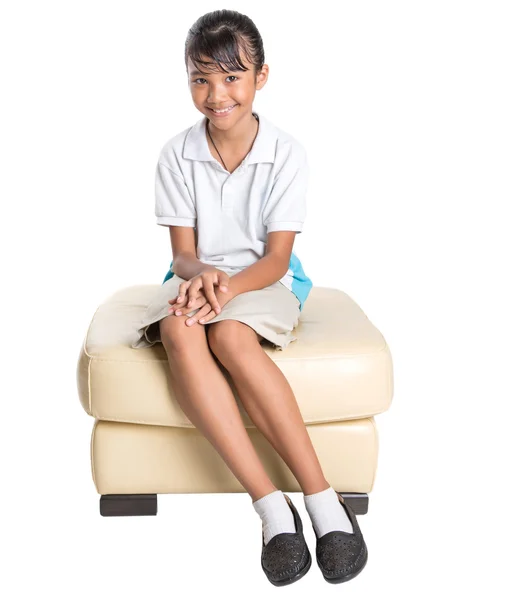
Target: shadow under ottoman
pixel 340 369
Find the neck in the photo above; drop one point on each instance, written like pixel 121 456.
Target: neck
pixel 236 136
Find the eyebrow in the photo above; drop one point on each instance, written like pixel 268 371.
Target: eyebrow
pixel 196 72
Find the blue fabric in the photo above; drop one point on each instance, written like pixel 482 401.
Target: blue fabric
pixel 169 275
pixel 301 285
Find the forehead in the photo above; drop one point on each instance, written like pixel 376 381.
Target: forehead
pixel 213 69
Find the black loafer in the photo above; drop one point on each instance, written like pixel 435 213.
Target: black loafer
pixel 286 558
pixel 339 554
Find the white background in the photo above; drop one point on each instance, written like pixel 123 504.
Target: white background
pixel 409 112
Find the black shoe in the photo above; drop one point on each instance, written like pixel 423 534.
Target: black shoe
pixel 341 555
pixel 286 558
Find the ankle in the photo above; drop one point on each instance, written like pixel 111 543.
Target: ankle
pixel 276 514
pixel 257 494
pixel 315 488
pixel 327 512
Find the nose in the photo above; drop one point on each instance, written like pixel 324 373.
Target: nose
pixel 217 94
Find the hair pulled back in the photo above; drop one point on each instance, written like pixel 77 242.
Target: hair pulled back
pixel 221 36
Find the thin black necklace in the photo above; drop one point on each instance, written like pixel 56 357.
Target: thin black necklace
pixel 207 129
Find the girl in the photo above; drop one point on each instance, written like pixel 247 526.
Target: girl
pixel 231 189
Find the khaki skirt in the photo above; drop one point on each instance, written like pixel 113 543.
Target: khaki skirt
pixel 272 312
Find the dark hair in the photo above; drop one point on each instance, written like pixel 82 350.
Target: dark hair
pixel 221 35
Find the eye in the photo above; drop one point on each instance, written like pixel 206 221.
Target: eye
pixel 202 78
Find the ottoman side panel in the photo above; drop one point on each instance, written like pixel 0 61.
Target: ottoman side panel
pixel 83 380
pixel 145 459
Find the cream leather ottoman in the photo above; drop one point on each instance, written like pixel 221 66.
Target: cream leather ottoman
pixel 142 444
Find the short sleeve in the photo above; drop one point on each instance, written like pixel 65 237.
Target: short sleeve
pixel 285 209
pixel 173 203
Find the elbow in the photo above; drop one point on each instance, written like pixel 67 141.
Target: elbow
pixel 282 265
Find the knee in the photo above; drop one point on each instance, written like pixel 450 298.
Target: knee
pixel 176 335
pixel 229 336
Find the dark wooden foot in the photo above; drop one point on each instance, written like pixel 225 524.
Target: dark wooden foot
pixel 127 505
pixel 357 502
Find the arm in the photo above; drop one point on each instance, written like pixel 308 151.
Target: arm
pixel 257 276
pixel 283 217
pixel 269 269
pixel 187 265
pixel 185 262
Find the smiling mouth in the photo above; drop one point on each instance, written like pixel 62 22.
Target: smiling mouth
pixel 223 111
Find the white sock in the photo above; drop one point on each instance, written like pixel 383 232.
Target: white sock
pixel 326 512
pixel 276 515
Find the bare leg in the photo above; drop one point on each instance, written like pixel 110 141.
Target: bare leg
pixel 207 400
pixel 268 399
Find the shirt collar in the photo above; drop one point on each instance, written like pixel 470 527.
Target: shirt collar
pixel 196 145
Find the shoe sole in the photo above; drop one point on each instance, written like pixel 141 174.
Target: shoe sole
pixel 299 575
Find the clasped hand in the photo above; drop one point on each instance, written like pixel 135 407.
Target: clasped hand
pixel 198 292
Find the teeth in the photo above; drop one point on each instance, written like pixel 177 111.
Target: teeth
pixel 224 110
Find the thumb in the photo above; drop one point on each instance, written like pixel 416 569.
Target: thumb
pixel 224 281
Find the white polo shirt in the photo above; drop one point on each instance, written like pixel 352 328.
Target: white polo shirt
pixel 233 213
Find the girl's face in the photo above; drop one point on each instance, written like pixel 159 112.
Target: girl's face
pixel 222 90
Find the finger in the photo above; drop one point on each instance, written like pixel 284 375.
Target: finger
pixel 184 296
pixel 182 300
pixel 183 287
pixel 224 281
pixel 182 308
pixel 177 303
pixel 193 292
pixel 207 317
pixel 209 289
pixel 200 313
pixel 176 299
pixel 195 301
pixel 194 318
pixel 206 313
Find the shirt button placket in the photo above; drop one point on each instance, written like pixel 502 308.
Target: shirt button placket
pixel 227 195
